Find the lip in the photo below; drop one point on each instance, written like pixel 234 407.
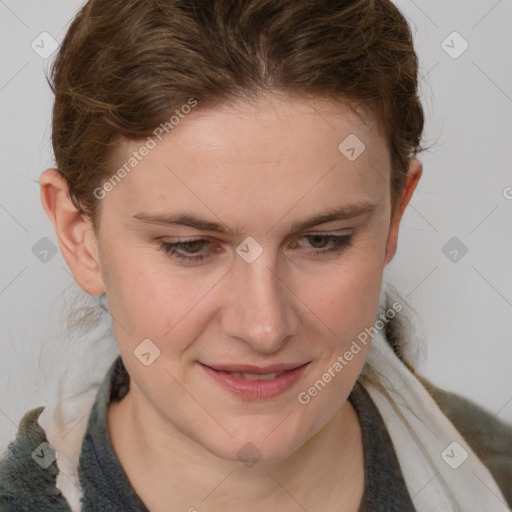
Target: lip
pixel 258 370
pixel 256 389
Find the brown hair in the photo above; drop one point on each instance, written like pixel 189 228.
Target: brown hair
pixel 126 65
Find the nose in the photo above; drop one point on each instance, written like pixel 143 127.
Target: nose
pixel 261 309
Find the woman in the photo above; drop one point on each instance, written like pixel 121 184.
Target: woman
pixel 231 175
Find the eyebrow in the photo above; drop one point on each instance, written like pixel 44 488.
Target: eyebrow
pixel 344 212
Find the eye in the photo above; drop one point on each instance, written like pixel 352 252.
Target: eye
pixel 191 250
pixel 195 245
pixel 334 243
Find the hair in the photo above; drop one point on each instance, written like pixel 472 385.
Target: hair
pixel 125 66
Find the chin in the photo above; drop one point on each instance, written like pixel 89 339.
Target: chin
pixel 251 449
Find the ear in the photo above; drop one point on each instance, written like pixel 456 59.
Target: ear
pixel 413 177
pixel 75 235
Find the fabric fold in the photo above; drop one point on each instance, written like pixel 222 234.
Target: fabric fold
pixel 440 469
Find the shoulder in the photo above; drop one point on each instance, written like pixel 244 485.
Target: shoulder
pixel 488 437
pixel 28 471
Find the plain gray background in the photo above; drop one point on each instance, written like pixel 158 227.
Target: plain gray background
pixel 464 307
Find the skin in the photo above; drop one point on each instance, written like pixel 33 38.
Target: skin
pixel 258 167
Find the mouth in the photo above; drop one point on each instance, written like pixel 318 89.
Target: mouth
pixel 253 376
pixel 256 383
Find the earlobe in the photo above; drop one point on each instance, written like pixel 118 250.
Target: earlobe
pixel 413 177
pixel 74 232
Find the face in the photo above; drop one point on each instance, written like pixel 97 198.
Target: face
pixel 242 278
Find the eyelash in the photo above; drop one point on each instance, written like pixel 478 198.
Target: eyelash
pixel 340 242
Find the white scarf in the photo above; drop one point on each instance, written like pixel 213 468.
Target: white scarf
pixel 419 430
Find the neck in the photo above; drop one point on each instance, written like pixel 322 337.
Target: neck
pixel 166 467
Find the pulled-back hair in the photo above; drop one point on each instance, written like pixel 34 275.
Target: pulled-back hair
pixel 125 66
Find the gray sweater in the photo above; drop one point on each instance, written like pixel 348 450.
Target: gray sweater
pixel 26 486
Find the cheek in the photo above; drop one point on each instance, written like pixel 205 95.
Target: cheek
pixel 348 306
pixel 346 302
pixel 150 298
pixel 134 292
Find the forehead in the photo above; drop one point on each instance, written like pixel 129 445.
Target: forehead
pixel 273 123
pixel 275 146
